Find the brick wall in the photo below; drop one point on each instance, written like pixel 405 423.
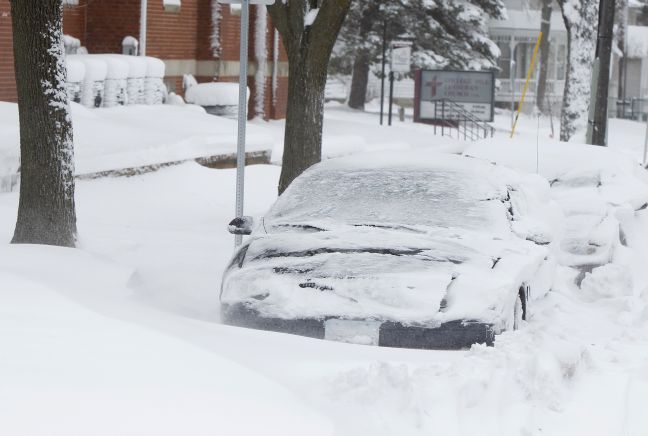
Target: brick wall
pixel 74 23
pixel 74 20
pixel 109 21
pixel 172 35
pixel 101 25
pixel 7 80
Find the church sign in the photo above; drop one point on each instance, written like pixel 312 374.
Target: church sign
pixel 438 94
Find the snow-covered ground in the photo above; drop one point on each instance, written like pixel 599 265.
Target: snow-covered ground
pixel 122 335
pixel 134 136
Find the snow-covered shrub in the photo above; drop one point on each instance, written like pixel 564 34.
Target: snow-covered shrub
pixel 75 75
pixel 115 85
pixel 154 89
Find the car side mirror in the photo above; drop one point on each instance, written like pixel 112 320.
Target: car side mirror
pixel 241 225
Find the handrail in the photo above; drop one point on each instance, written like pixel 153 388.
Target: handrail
pixel 452 115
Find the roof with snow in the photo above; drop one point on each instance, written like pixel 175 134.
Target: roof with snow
pixel 527 20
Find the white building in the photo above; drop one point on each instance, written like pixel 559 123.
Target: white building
pixel 516 37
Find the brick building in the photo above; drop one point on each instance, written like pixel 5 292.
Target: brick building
pixel 199 37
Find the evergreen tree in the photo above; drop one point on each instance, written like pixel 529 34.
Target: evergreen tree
pixel 444 35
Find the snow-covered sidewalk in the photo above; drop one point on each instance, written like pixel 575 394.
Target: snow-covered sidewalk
pixel 67 369
pixel 135 136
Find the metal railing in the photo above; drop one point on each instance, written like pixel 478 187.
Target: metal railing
pixel 554 89
pixel 633 108
pixel 456 122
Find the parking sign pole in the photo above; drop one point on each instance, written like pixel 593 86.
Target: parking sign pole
pixel 242 115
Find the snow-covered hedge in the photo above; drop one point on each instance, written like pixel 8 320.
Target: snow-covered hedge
pixel 112 79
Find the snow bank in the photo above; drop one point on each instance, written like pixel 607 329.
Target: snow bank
pixel 116 376
pixel 601 191
pixel 132 136
pixel 214 94
pixel 577 367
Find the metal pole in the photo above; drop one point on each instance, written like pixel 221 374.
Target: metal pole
pixel 526 83
pixel 443 117
pixel 143 25
pixel 391 95
pixel 598 122
pixel 645 145
pixel 512 77
pixel 242 114
pixel 382 77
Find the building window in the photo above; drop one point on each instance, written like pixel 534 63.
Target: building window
pixel 70 2
pixel 171 5
pixel 504 61
pixel 561 61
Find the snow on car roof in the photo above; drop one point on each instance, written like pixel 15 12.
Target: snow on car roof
pixel 422 189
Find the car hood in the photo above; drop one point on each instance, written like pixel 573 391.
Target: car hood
pixel 412 276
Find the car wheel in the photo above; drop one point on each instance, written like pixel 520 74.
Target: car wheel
pixel 519 310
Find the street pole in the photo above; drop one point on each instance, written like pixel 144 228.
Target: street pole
pixel 645 155
pixel 242 115
pixel 513 67
pixel 598 123
pixel 391 95
pixel 382 77
pixel 143 27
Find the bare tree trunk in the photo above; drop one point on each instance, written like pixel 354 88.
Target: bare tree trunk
pixel 622 34
pixel 581 44
pixel 604 56
pixel 545 28
pixel 359 80
pixel 304 120
pixel 46 212
pixel 361 63
pixel 309 47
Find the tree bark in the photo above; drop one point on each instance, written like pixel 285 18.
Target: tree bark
pixel 309 49
pixel 361 63
pixel 545 28
pixel 304 120
pixel 359 80
pixel 604 55
pixel 46 211
pixel 581 43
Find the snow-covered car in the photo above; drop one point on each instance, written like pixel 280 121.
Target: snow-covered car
pixel 420 250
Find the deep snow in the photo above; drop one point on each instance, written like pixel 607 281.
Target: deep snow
pixel 126 328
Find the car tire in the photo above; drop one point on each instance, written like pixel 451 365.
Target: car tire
pixel 520 309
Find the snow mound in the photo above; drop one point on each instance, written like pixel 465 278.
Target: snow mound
pixel 61 356
pixel 214 94
pixel 608 281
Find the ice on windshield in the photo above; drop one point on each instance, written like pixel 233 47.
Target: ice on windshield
pixel 440 197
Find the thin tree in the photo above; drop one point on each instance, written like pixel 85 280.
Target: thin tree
pixel 46 212
pixel 308 29
pixel 545 28
pixel 369 18
pixel 581 19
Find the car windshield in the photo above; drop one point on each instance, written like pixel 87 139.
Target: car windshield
pixel 409 197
